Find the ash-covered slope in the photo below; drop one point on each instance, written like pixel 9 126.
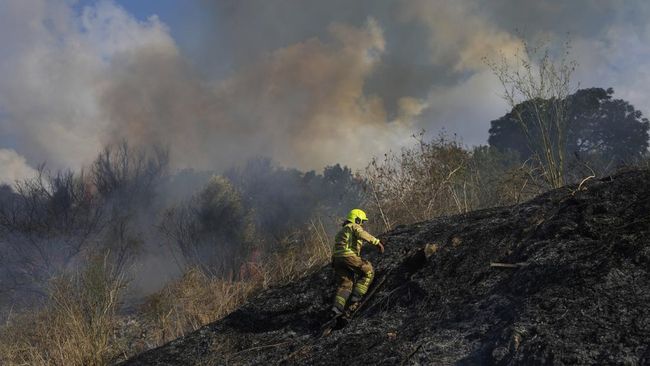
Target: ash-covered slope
pixel 582 298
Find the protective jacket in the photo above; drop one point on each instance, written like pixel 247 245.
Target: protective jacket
pixel 349 240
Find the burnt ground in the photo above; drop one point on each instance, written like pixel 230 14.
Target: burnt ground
pixel 582 298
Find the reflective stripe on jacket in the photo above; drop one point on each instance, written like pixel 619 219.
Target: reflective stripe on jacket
pixel 349 240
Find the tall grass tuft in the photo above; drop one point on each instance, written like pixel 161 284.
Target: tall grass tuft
pixel 76 326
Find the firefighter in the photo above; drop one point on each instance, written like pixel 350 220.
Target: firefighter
pixel 347 262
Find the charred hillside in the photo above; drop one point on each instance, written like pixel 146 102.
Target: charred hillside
pixel 580 296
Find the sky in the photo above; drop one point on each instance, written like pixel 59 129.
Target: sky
pixel 307 83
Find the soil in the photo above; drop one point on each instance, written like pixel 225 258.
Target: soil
pixel 580 296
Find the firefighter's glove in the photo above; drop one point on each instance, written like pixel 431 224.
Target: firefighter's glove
pixel 380 246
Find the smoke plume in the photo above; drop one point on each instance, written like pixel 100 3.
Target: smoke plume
pixel 303 104
pixel 13 167
pixel 305 83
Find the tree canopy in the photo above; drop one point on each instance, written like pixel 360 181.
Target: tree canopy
pixel 598 126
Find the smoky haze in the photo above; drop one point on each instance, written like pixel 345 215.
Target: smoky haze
pixel 306 83
pixel 303 104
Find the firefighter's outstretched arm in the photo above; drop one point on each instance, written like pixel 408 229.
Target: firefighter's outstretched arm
pixel 361 233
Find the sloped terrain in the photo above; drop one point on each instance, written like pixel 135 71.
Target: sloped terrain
pixel 582 297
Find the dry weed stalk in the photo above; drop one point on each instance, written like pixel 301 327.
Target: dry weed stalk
pixel 536 87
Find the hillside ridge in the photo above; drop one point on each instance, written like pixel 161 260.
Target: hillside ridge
pixel 582 297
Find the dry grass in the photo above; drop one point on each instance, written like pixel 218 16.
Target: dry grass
pixel 75 327
pixel 297 256
pixel 80 325
pixel 441 177
pixel 191 302
pixel 198 298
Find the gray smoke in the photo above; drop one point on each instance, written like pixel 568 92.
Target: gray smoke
pixel 303 104
pixel 306 83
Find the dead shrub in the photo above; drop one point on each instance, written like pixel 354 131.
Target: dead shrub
pixel 441 177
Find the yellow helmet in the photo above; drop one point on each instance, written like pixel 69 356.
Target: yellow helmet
pixel 357 214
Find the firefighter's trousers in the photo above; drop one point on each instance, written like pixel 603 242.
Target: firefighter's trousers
pixel 346 269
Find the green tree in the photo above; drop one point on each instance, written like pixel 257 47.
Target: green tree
pixel 600 129
pixel 212 229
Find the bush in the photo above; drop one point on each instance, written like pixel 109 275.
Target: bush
pixel 441 177
pixel 44 227
pixel 211 230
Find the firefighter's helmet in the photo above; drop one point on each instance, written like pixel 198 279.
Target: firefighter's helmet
pixel 357 216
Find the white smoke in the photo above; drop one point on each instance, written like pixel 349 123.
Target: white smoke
pixel 13 167
pixel 609 42
pixel 52 71
pixel 460 36
pixel 72 81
